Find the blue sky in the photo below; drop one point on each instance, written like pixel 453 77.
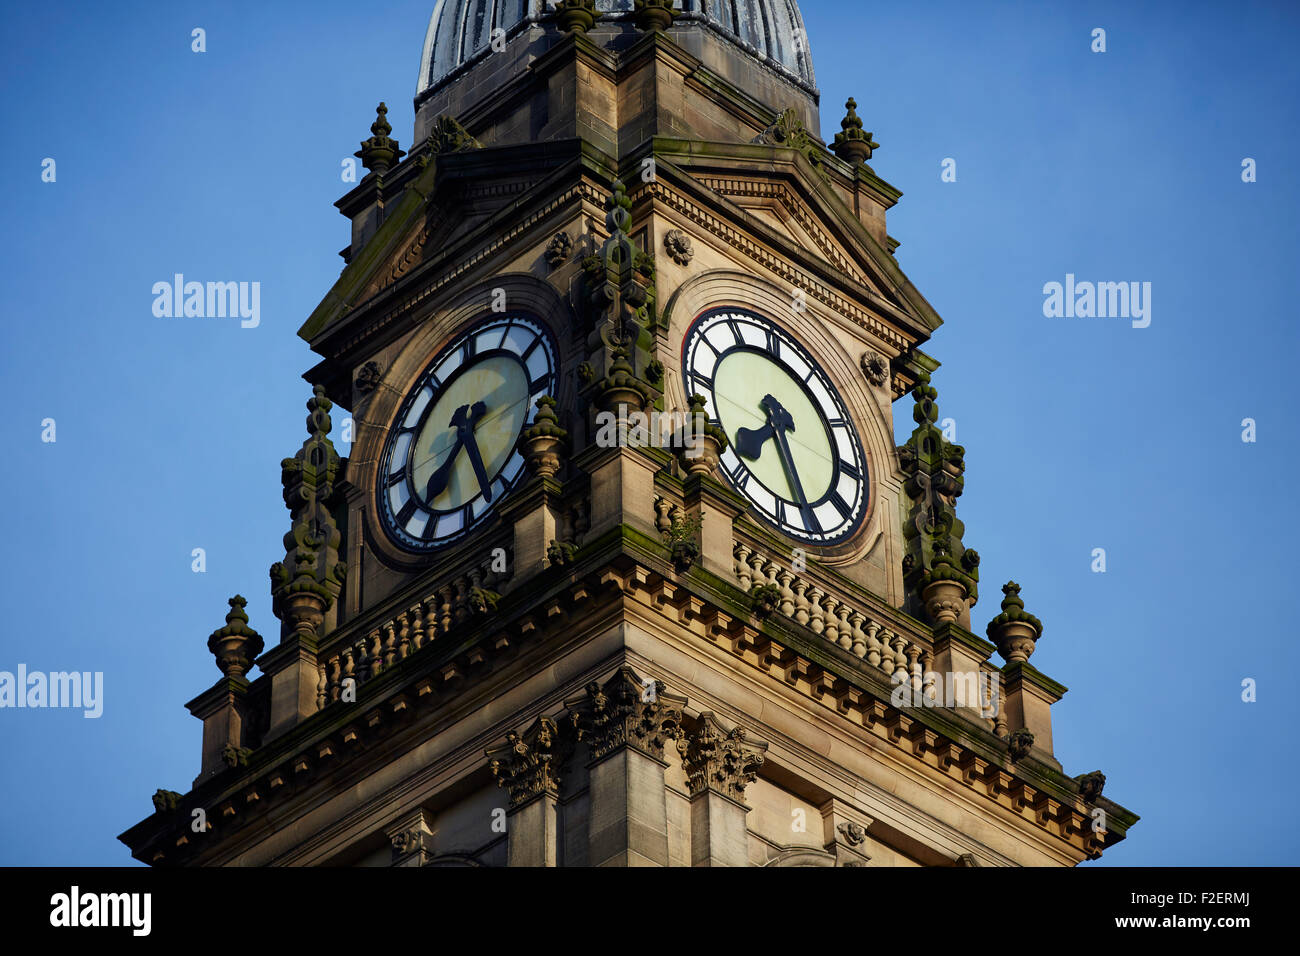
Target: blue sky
pixel 1081 433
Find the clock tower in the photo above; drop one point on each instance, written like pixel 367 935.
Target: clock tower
pixel 624 566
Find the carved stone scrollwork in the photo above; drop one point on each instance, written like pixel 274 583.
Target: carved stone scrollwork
pixel 854 834
pixel 627 711
pixel 530 763
pixel 559 249
pixel 875 368
pixel 1091 785
pixel 1019 744
pixel 720 760
pixel 678 246
pixel 368 378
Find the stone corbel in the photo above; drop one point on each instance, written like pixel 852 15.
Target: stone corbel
pixel 411 838
pixel 844 831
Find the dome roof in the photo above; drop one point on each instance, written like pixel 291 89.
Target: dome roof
pixel 460 31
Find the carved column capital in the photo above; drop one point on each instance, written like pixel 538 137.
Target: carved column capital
pixel 530 764
pixel 718 759
pixel 627 711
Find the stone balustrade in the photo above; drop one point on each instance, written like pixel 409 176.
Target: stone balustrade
pixel 368 653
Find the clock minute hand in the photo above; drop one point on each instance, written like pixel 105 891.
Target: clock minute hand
pixel 465 426
pixel 781 421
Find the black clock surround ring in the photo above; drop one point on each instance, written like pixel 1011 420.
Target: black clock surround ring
pixel 774 400
pixel 450 454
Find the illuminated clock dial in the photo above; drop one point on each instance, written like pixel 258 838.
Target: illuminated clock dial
pixel 792 449
pixel 451 453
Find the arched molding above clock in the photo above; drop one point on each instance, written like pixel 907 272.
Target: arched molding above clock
pixel 815 332
pixel 520 293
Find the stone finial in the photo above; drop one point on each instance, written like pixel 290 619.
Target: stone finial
pixel 940 573
pixel 380 152
pixel 541 441
pixel 627 711
pixel 853 144
pixel 705 441
pixel 654 15
pixel 530 763
pixel 1015 631
pixel 305 585
pixel 236 645
pixel 576 16
pixel 718 759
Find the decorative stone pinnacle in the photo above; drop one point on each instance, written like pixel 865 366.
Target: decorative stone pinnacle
pixel 654 15
pixel 379 152
pixel 940 573
pixel 305 584
pixel 236 645
pixel 718 759
pixel 853 144
pixel 1015 630
pixel 577 16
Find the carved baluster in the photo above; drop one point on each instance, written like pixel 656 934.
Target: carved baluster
pixel 901 672
pixel 770 570
pixel 929 687
pixel 756 562
pixel 858 638
pixel 831 625
pixel 741 554
pixel 349 667
pixel 417 626
pixel 817 616
pixel 914 668
pixel 389 647
pixel 335 671
pixel 846 633
pixel 322 684
pixel 403 637
pixel 446 600
pixel 460 608
pixel 886 662
pixel 581 519
pixel 784 578
pixel 801 603
pixel 663 523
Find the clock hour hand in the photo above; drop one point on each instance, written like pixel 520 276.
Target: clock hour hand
pixel 463 421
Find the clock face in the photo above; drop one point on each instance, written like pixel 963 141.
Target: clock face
pixel 792 448
pixel 451 455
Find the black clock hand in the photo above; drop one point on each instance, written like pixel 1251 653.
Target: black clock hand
pixel 466 430
pixel 779 422
pixel 438 480
pixel 460 419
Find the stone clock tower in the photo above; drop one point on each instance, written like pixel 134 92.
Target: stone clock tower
pixel 624 567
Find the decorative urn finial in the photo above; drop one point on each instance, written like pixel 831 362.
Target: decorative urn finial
pixel 576 16
pixel 705 441
pixel 236 645
pixel 853 145
pixel 540 442
pixel 1015 631
pixel 379 152
pixel 655 15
